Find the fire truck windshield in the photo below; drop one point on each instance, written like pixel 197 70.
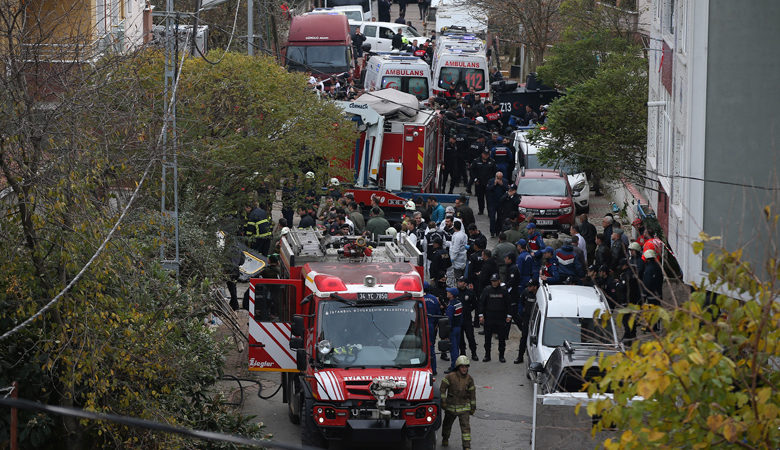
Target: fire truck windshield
pixel 372 335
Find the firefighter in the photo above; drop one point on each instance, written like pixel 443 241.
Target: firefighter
pixel 459 400
pixel 495 314
pixel 454 312
pixel 257 228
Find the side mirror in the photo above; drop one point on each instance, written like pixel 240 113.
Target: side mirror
pixel 296 343
pixel 300 359
pixel 366 47
pixel 443 346
pixel 444 328
pixel 297 326
pixel 536 367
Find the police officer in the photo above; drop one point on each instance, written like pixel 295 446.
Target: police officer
pixel 524 262
pixel 483 169
pixel 495 314
pixel 454 312
pixel 527 299
pixel 473 152
pixel 257 228
pixel 450 169
pixel 469 302
pixel 504 156
pixel 433 312
pixel 459 400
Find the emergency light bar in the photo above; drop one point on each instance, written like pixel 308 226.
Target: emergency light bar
pixel 329 283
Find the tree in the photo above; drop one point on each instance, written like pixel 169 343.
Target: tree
pixel 710 378
pixel 75 139
pixel 539 20
pixel 600 125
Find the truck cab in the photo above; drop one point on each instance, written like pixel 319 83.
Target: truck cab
pixel 351 338
pixel 320 44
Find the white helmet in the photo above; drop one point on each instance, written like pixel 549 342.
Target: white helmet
pixel 310 175
pixel 334 182
pixel 285 231
pixel 410 206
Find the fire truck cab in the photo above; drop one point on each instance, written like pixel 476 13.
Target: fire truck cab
pixel 347 327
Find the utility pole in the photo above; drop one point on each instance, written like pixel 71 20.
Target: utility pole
pixel 250 27
pixel 169 157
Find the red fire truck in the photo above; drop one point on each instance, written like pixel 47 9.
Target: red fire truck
pixel 399 151
pixel 347 327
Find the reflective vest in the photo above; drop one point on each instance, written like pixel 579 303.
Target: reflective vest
pixel 256 234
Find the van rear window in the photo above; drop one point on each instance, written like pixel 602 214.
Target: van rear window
pixel 417 86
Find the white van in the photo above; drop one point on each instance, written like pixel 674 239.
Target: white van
pixel 380 34
pixel 460 62
pixel 353 13
pixel 404 72
pixel 565 313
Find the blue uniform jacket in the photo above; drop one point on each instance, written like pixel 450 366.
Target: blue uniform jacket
pixel 525 264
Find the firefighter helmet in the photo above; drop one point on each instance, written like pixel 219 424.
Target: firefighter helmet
pixel 462 360
pixel 310 175
pixel 334 181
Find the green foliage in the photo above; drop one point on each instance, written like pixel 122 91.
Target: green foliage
pixel 710 379
pixel 246 124
pixel 600 126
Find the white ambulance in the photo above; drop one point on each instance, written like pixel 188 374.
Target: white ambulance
pixel 460 62
pixel 401 71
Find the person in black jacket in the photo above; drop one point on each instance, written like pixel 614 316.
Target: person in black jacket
pixel 602 255
pixel 398 40
pixel 652 279
pixel 588 231
pixel 440 259
pixel 488 269
pixel 470 310
pixel 508 206
pixel 527 300
pixel 482 170
pixel 357 43
pixel 495 314
pixel 450 169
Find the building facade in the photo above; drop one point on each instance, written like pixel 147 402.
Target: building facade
pixel 714 125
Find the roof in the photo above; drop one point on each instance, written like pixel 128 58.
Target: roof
pixel 314 28
pixel 574 301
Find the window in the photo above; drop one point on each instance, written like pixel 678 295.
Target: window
pixel 461 79
pixel 327 58
pixel 575 329
pixel 548 187
pixel 370 30
pixel 416 86
pixel 386 33
pixel 668 21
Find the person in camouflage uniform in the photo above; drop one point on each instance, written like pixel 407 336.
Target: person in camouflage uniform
pixel 459 400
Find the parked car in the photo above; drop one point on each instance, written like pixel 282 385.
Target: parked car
pixel 564 313
pixel 380 34
pixel 547 196
pixel 526 155
pixel 563 370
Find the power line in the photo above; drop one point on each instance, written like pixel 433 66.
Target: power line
pixel 108 237
pixel 147 424
pixel 57 297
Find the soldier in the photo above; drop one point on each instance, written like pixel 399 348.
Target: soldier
pixel 469 302
pixel 495 314
pixel 459 400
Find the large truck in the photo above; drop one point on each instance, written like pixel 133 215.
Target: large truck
pixel 399 151
pixel 346 325
pixel 322 45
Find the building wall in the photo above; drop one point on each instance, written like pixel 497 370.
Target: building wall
pixel 719 121
pixel 743 121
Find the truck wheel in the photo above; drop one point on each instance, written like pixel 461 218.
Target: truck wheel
pixel 294 418
pixel 310 435
pixel 426 443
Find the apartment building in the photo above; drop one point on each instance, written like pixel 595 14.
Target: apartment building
pixel 714 124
